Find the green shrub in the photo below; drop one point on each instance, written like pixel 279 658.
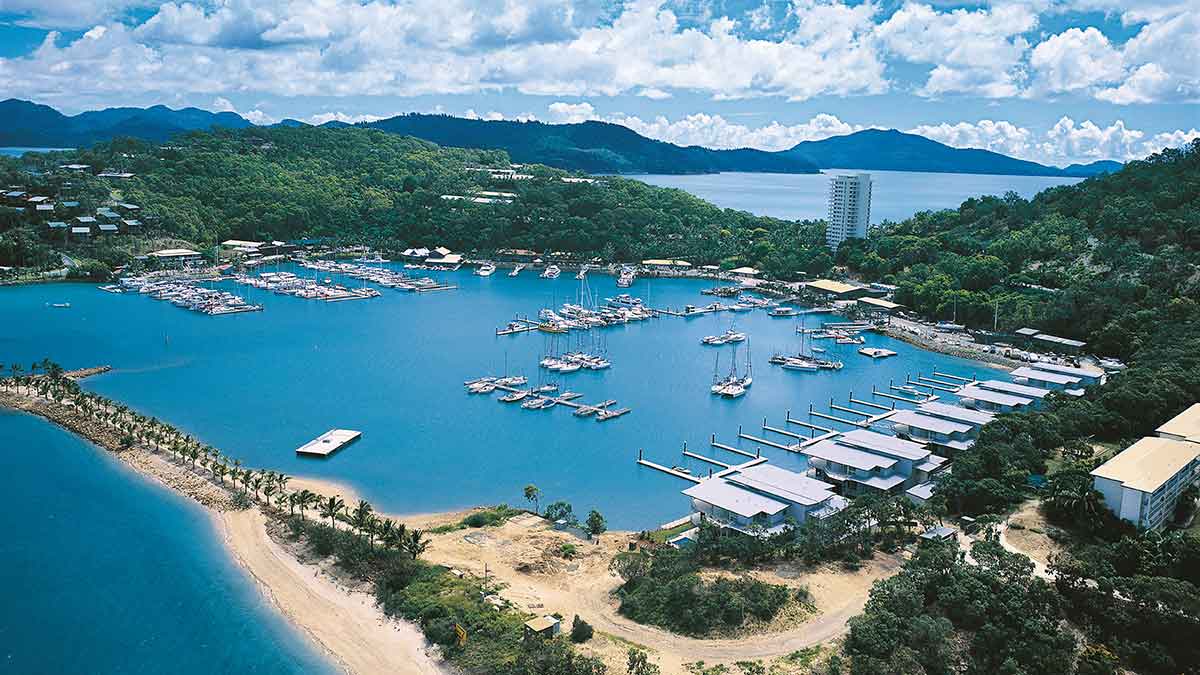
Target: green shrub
pixel 581 631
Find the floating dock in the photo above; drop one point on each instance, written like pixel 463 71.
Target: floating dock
pixel 328 443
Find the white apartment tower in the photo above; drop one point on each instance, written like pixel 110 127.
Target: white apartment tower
pixel 849 208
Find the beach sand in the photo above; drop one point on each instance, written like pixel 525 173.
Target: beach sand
pixel 345 622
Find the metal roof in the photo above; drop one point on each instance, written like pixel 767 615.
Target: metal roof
pixel 1185 425
pixel 1069 370
pixel 1045 376
pixel 999 398
pixel 725 495
pixel 831 286
pixel 852 457
pixel 784 484
pixel 956 413
pixel 929 423
pixel 1012 388
pixel 889 445
pixel 1147 464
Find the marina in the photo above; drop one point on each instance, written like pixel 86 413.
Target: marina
pixel 355 365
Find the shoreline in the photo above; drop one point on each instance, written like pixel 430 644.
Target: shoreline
pixel 342 623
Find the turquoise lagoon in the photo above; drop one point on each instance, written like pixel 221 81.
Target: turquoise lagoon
pixel 107 572
pixel 259 385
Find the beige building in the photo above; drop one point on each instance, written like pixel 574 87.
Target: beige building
pixel 1143 482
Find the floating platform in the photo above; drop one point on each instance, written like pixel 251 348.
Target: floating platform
pixel 328 443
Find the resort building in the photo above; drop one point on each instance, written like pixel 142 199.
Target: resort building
pixel 1142 483
pixel 762 499
pixel 849 209
pixel 836 290
pixel 1183 427
pixel 1035 393
pixel 980 398
pixel 1088 375
pixel 949 434
pixel 175 255
pixel 865 461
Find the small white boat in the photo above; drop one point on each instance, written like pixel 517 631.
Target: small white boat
pixel 485 270
pixel 513 397
pixel 784 311
pixel 856 340
pixel 551 272
pixel 516 270
pixel 61 305
pixel 800 363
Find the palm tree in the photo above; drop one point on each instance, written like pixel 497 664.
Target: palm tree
pixel 306 499
pixel 361 517
pixel 219 470
pixel 193 454
pixel 415 544
pixel 256 483
pixel 330 509
pixel 533 494
pixel 386 530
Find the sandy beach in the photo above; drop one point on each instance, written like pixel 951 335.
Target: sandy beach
pixel 343 623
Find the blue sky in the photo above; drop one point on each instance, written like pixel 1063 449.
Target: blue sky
pixel 1056 81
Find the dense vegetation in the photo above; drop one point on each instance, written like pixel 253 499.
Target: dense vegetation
pixel 665 589
pixel 1100 261
pixel 944 615
pixel 363 185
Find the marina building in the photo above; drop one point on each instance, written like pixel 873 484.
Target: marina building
pixel 862 461
pixel 980 398
pixel 849 209
pixel 762 499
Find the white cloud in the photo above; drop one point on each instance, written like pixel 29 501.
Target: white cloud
pixel 222 104
pixel 68 14
pixel 976 52
pixel 1074 60
pixel 714 131
pixel 997 136
pixel 570 113
pixel 259 117
pixel 322 118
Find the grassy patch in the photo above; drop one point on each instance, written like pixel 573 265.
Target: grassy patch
pixel 491 517
pixel 663 536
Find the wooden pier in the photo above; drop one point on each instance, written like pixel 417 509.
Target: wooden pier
pixel 763 441
pixel 729 448
pixel 954 377
pixel 808 425
pixel 600 410
pixel 524 326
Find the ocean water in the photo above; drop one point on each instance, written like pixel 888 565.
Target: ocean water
pixel 895 195
pixel 18 151
pixel 259 385
pixel 106 572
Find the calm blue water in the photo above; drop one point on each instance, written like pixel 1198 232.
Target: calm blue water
pixel 17 152
pixel 895 195
pixel 105 572
pixel 259 385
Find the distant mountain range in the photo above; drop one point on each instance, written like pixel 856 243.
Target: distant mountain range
pixel 28 124
pixel 594 147
pixel 891 150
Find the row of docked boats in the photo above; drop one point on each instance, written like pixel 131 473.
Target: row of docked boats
pixel 382 276
pixel 286 283
pixel 577 317
pixel 732 385
pixel 730 336
pixel 187 295
pixel 572 362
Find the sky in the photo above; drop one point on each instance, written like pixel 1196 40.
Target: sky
pixel 1055 81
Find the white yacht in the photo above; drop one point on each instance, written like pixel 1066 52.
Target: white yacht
pixel 551 272
pixel 487 269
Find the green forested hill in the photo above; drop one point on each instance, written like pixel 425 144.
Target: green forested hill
pixel 364 185
pixel 1100 260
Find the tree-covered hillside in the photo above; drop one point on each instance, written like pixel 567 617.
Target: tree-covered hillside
pixel 365 185
pixel 1099 261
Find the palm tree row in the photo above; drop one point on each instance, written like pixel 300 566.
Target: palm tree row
pixel 134 428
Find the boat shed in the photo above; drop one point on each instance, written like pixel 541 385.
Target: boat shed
pixel 835 290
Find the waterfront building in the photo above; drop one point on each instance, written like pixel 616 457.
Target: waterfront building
pixel 1142 483
pixel 974 396
pixel 762 499
pixel 863 461
pixel 849 209
pixel 1087 375
pixel 836 290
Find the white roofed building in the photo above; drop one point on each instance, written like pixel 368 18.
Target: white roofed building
pixel 762 499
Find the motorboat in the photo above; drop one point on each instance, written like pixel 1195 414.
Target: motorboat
pixel 551 272
pixel 514 396
pixel 783 311
pixel 485 270
pixel 876 352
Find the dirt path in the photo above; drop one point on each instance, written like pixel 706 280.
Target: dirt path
pixel 522 554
